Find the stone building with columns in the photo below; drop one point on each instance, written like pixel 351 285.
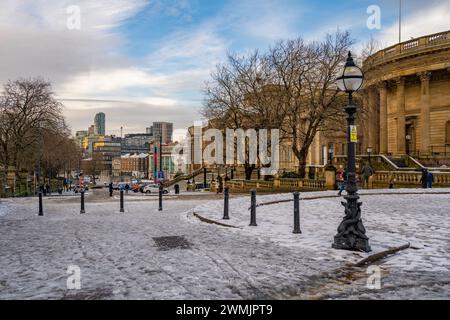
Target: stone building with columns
pixel 407 97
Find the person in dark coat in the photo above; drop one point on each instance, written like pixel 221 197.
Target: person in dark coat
pixel 367 172
pixel 110 189
pixel 423 180
pixel 220 180
pixel 430 180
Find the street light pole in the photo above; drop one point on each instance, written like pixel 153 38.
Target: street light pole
pixel 160 155
pixel 369 153
pixel 351 232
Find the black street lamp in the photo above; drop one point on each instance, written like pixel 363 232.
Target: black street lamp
pixel 351 232
pixel 330 155
pixel 369 153
pixel 408 144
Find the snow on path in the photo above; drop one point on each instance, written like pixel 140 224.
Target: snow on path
pixel 120 260
pixel 390 220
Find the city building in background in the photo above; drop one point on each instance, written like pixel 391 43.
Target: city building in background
pixel 162 129
pixel 129 157
pixel 100 124
pixel 91 130
pixel 136 143
pixel 135 165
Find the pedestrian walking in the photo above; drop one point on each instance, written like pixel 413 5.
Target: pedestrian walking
pixel 430 180
pixel 344 181
pixel 339 177
pixel 367 172
pixel 110 189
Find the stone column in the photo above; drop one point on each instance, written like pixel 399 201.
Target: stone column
pixel 372 142
pixel 382 86
pixel 425 111
pixel 401 121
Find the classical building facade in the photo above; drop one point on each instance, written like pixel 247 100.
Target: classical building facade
pixel 407 94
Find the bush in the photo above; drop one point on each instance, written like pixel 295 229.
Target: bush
pixel 290 175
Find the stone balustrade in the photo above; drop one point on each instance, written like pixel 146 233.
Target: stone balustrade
pixel 275 185
pixel 410 46
pixel 409 178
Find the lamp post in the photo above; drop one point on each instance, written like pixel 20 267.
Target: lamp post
pixel 330 155
pixel 351 232
pixel 408 144
pixel 369 153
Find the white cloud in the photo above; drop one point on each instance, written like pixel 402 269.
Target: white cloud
pixel 264 20
pixel 428 20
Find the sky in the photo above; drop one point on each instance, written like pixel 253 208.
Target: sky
pixel 141 61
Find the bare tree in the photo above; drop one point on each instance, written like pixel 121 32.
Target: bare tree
pixel 29 114
pixel 241 96
pixel 93 166
pixel 292 88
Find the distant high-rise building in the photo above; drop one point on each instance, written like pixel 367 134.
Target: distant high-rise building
pixel 91 130
pixel 164 130
pixel 99 124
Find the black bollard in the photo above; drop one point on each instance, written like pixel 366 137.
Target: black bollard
pixel 82 203
pixel 297 213
pixel 160 198
pixel 253 210
pixel 226 204
pixel 121 201
pixel 41 210
pixel 110 190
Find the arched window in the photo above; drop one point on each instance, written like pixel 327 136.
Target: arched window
pixel 447 132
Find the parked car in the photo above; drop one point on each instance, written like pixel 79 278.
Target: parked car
pixel 121 186
pixel 154 188
pixel 136 188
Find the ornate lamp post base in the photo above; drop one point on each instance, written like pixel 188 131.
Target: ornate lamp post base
pixel 351 243
pixel 351 232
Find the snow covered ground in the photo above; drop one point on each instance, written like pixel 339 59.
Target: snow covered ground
pixel 393 219
pixel 120 258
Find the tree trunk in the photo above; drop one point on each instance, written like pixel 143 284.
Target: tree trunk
pixel 301 157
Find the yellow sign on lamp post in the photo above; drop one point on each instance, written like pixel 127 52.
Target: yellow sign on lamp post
pixel 353 134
